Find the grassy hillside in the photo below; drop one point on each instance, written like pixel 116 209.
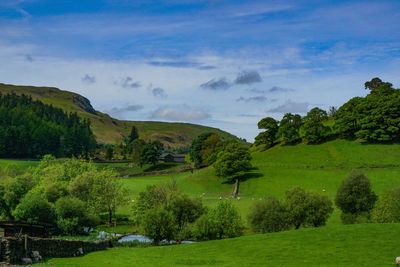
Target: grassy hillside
pixel 108 129
pixel 319 168
pixel 351 245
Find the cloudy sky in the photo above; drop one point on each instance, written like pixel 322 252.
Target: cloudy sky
pixel 221 63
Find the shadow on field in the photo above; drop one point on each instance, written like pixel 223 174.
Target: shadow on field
pixel 247 176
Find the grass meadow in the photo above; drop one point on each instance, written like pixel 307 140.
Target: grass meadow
pixel 351 245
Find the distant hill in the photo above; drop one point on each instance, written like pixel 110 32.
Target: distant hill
pixel 110 130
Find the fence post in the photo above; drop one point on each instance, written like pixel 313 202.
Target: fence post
pixel 26 245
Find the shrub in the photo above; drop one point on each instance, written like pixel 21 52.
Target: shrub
pixel 270 215
pixel 355 196
pixel 387 209
pixel 12 191
pixel 307 209
pixel 55 191
pixel 158 224
pixel 153 197
pixel 34 208
pixel 185 210
pixel 221 222
pixel 205 228
pixel 318 210
pixel 72 215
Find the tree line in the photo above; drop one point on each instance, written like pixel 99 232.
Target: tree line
pixel 71 194
pixel 32 129
pixel 373 119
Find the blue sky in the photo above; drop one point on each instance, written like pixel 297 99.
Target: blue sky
pixel 221 63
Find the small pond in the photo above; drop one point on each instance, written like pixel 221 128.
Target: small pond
pixel 130 238
pixel 145 239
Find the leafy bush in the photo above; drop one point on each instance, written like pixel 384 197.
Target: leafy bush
pixel 220 222
pixel 270 215
pixel 12 191
pixel 355 197
pixel 34 208
pixel 387 209
pixel 205 228
pixel 154 196
pixel 72 215
pixel 307 209
pixel 185 210
pixel 158 224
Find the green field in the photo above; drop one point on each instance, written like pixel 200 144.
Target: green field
pixel 316 168
pixel 354 245
pixel 14 167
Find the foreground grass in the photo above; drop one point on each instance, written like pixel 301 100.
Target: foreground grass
pixel 350 245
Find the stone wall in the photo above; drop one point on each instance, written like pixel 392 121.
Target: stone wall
pixel 13 250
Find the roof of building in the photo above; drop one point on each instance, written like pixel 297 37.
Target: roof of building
pixel 24 224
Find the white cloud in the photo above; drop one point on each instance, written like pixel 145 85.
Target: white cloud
pixel 291 107
pixel 180 113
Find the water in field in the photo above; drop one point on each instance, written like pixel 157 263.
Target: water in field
pixel 131 238
pixel 145 239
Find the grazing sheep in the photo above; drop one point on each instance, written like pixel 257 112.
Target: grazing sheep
pixel 397 261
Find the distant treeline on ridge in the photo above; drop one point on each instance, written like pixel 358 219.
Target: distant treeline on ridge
pixel 371 119
pixel 31 129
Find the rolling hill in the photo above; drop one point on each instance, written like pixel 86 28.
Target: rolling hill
pixel 110 130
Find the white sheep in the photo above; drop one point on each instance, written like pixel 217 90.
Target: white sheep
pixel 397 261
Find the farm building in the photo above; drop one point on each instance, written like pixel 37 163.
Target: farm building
pixel 169 157
pixel 13 228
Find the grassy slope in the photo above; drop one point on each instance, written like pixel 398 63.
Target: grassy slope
pixel 110 130
pixel 316 168
pixel 354 245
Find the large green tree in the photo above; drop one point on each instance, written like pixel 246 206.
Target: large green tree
pixel 374 118
pixel 378 87
pixel 314 129
pixel 204 148
pixel 269 135
pixel 232 163
pixel 151 153
pixel 289 128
